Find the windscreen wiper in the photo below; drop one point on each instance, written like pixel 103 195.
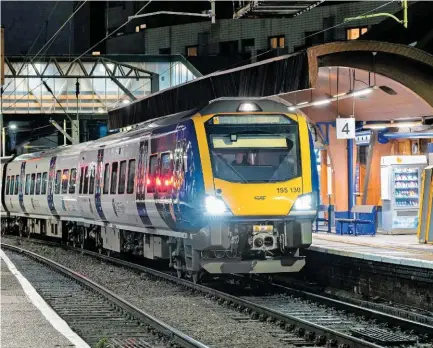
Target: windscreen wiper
pixel 231 167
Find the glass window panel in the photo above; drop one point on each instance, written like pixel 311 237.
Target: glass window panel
pixel 106 178
pixel 114 178
pixel 122 177
pixel 38 183
pixel 131 176
pixel 57 183
pixel 27 184
pixel 72 180
pixel 44 183
pixel 17 184
pixel 65 179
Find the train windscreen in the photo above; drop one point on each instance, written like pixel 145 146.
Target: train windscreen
pixel 254 153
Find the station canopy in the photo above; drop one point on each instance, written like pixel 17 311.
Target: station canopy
pixel 47 85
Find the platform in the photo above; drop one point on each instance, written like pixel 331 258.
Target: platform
pixel 24 314
pixel 397 249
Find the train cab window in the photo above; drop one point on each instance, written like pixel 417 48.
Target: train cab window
pixel 17 184
pixel 44 183
pixel 57 183
pixel 32 184
pixel 81 179
pixel 122 177
pixel 106 178
pixel 8 181
pixel 114 168
pixel 72 180
pixel 86 181
pixel 92 180
pixel 131 176
pixel 166 171
pixel 152 179
pixel 38 183
pixel 65 179
pixel 27 191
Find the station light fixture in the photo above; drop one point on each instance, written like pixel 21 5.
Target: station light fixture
pixel 13 126
pixel 357 93
pixel 321 102
pixel 403 124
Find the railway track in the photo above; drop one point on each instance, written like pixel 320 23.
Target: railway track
pixel 314 319
pixel 100 317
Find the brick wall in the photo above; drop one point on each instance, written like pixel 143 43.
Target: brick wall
pixel 179 36
pixel 401 284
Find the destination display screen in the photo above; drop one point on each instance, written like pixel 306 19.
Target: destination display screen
pixel 250 119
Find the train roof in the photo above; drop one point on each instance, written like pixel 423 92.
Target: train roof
pixel 68 150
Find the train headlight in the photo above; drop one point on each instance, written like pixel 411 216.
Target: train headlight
pixel 304 202
pixel 215 205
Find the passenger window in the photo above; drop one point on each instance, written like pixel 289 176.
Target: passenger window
pixel 44 183
pixel 106 178
pixel 11 191
pixel 17 184
pixel 81 179
pixel 38 183
pixel 27 184
pixel 122 177
pixel 65 179
pixel 72 180
pixel 8 181
pixel 57 182
pixel 113 178
pixel 86 181
pixel 152 179
pixel 166 171
pixel 32 184
pixel 92 180
pixel 131 176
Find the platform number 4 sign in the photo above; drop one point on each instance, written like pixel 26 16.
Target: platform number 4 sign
pixel 345 128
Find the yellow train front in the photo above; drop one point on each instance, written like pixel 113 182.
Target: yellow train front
pixel 260 187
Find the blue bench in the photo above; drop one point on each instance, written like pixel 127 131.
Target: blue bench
pixel 324 208
pixel 363 222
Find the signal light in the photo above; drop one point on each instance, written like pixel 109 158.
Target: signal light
pixel 158 182
pixel 148 181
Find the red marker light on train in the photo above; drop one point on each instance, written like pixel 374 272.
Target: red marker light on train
pixel 148 181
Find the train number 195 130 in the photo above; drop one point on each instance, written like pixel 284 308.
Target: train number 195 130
pixel 286 190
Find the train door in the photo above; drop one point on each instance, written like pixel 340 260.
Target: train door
pixel 140 193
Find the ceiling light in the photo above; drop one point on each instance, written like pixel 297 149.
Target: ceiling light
pixel 321 102
pixel 339 95
pixel 13 126
pixel 362 92
pixel 125 101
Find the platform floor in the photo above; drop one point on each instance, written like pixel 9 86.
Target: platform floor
pixel 398 249
pixel 22 323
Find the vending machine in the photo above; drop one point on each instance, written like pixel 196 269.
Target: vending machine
pixel 400 192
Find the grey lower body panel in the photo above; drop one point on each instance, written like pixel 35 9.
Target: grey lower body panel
pixel 289 265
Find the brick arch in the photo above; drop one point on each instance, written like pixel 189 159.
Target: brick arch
pixel 411 67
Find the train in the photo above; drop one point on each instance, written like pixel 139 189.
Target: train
pixel 231 187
